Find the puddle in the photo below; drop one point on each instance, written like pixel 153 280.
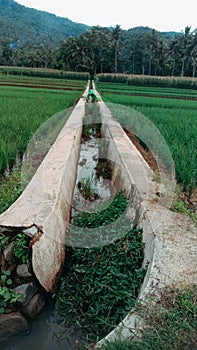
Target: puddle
pixel 91 187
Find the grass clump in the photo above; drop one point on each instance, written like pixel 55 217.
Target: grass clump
pixel 171 324
pixel 10 189
pixel 181 204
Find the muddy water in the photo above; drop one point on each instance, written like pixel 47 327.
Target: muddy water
pixel 90 179
pixel 47 333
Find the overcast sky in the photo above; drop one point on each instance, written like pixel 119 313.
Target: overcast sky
pixel 165 15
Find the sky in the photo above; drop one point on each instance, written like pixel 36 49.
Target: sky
pixel 165 15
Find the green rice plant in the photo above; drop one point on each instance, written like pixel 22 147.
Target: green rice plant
pixel 22 111
pixel 175 119
pixel 147 80
pixel 44 73
pixel 10 189
pixel 86 188
pixel 123 89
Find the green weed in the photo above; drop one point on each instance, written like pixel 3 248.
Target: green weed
pixel 7 295
pixel 21 248
pixel 3 242
pixel 170 324
pixel 101 284
pixel 86 188
pixel 10 189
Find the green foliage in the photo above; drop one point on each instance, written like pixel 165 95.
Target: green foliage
pixel 31 38
pixel 5 278
pixel 43 73
pixel 10 189
pixel 170 324
pixel 112 78
pixel 137 90
pixel 3 242
pixel 101 284
pixel 7 295
pixel 87 188
pixel 118 345
pixel 104 217
pixel 87 131
pixel 32 27
pixel 104 225
pixel 22 111
pixel 145 80
pixel 21 248
pixel 180 204
pixel 174 116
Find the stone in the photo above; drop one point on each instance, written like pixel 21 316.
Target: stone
pixel 23 270
pixel 8 310
pixel 161 192
pixel 25 291
pixel 12 324
pixel 8 252
pixel 193 199
pixel 35 306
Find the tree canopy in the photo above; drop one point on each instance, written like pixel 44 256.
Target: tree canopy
pixel 37 39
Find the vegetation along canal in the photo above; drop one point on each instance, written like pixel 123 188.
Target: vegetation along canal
pixel 103 271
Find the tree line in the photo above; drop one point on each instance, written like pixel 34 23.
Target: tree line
pixel 112 50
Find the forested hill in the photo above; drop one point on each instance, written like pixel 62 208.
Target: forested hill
pixel 23 25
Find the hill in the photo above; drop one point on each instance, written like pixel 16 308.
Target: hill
pixel 26 26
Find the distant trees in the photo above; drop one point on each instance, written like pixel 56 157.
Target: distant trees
pixel 99 50
pixel 91 51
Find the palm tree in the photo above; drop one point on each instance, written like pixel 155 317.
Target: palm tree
pixel 193 55
pixel 185 40
pixel 161 57
pixel 116 37
pixel 174 55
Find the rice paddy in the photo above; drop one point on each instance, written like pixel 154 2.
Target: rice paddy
pixel 172 111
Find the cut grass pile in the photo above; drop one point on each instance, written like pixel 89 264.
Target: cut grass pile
pixel 101 284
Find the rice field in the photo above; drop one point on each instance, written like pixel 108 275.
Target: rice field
pixel 24 109
pixel 172 111
pixel 27 102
